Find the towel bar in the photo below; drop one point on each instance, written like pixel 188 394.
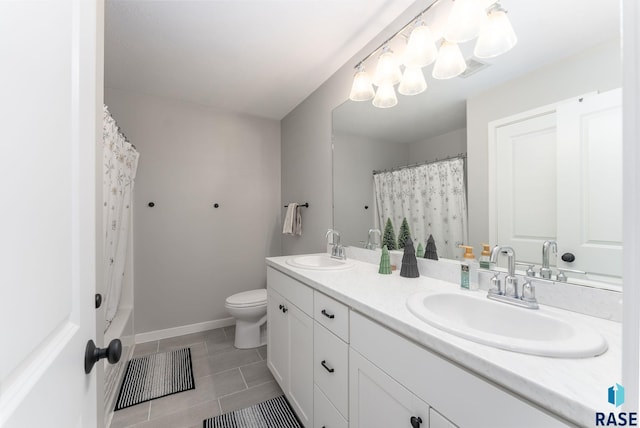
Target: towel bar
pixel 306 205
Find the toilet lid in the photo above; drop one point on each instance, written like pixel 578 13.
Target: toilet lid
pixel 248 298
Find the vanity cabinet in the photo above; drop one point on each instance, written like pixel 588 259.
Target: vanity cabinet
pixel 454 396
pixel 290 338
pixel 377 400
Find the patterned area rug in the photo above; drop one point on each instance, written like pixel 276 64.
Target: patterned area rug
pixel 274 413
pixel 155 376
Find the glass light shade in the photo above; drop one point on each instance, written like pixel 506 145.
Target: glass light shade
pixel 464 21
pixel 385 97
pixel 450 62
pixel 362 89
pixel 412 82
pixel 387 71
pixel 421 48
pixel 496 36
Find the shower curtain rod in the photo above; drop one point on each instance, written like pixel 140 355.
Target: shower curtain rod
pixel 458 156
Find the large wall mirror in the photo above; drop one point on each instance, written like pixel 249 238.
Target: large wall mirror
pixel 566 50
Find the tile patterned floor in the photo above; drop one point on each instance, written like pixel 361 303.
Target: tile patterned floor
pixel 226 379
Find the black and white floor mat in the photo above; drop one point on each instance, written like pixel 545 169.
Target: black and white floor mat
pixel 274 413
pixel 154 376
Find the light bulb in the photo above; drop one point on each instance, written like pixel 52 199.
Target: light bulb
pixel 421 48
pixel 385 97
pixel 412 82
pixel 450 62
pixel 464 21
pixel 496 35
pixel 387 71
pixel 361 90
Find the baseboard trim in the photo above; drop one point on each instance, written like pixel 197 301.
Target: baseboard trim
pixel 150 336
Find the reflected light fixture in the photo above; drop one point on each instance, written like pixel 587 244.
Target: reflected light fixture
pixel 362 89
pixel 385 96
pixel 412 82
pixel 496 34
pixel 450 62
pixel 388 71
pixel 466 20
pixel 421 47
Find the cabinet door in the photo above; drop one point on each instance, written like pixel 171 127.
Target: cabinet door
pixel 377 401
pixel 300 389
pixel 278 338
pixel 436 420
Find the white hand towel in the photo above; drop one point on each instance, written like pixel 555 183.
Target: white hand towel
pixel 290 219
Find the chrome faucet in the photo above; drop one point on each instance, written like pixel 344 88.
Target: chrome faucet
pixel 337 250
pixel 545 270
pixel 374 243
pixel 510 294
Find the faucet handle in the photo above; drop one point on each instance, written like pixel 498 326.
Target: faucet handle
pixel 561 277
pixel 530 271
pixel 528 291
pixel 496 288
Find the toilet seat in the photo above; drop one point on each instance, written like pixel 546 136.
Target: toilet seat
pixel 248 299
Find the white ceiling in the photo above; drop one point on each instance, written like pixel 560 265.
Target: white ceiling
pixel 259 57
pixel 547 30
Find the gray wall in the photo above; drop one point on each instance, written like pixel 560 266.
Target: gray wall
pixel 354 159
pixel 439 147
pixel 189 256
pixel 306 148
pixel 597 69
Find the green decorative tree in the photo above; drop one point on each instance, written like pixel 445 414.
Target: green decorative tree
pixel 404 233
pixel 431 252
pixel 385 262
pixel 389 237
pixel 420 250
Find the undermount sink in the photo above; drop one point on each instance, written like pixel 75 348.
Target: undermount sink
pixel 319 262
pixel 476 318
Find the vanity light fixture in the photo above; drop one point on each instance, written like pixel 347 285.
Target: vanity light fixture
pixel 496 34
pixel 412 82
pixel 385 97
pixel 464 21
pixel 362 89
pixel 450 62
pixel 388 70
pixel 468 19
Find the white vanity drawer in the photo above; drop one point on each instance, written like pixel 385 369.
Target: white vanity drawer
pixel 331 367
pixel 331 314
pixel 292 290
pixel 324 414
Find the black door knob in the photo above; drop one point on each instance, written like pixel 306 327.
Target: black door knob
pixel 92 354
pixel 568 257
pixel 98 300
pixel 416 421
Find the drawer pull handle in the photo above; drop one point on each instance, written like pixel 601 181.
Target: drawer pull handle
pixel 327 368
pixel 327 314
pixel 284 309
pixel 281 307
pixel 415 422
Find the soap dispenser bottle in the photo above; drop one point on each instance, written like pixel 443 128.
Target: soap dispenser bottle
pixel 468 269
pixel 485 257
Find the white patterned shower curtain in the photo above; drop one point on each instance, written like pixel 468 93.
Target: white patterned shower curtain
pixel 120 161
pixel 432 197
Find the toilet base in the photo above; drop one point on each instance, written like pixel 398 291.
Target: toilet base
pixel 248 334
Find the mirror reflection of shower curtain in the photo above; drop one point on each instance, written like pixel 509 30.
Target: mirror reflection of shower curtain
pixel 432 197
pixel 120 161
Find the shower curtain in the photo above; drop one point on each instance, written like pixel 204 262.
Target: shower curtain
pixel 120 161
pixel 432 197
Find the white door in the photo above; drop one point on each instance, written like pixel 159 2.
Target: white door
pixel 376 400
pixel 590 183
pixel 526 184
pixel 48 106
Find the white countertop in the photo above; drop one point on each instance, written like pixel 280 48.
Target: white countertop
pixel 572 388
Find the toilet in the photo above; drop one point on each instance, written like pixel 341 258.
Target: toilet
pixel 249 308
